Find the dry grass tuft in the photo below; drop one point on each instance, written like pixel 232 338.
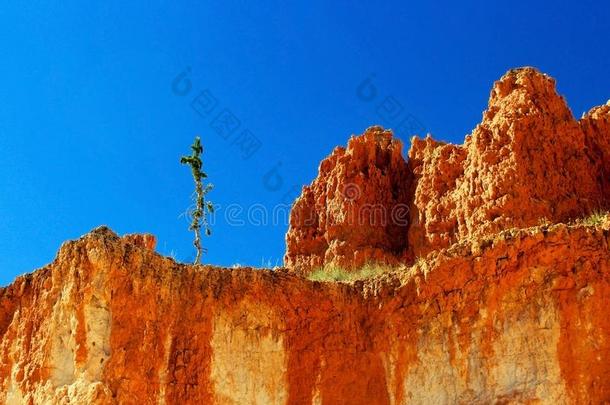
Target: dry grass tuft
pixel 340 274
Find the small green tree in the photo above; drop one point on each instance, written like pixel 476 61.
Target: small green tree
pixel 202 206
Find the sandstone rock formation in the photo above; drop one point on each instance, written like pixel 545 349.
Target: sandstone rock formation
pixel 517 318
pixel 596 126
pixel 502 309
pixel 356 210
pixel 529 160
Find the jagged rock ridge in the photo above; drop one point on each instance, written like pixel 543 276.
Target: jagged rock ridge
pixel 494 314
pixel 529 160
pixel 356 210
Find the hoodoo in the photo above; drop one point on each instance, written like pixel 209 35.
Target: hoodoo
pixel 528 161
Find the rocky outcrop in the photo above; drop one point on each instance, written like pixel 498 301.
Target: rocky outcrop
pixel 517 318
pixel 356 211
pixel 488 306
pixel 528 161
pixel 596 127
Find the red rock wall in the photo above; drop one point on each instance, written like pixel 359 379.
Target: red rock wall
pixel 596 127
pixel 356 211
pixel 519 318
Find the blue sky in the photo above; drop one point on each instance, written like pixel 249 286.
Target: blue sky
pixel 92 124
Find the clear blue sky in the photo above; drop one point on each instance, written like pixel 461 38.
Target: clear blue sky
pixel 91 127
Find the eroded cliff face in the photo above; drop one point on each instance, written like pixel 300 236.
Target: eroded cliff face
pixel 517 318
pixel 596 126
pixel 487 305
pixel 528 161
pixel 356 210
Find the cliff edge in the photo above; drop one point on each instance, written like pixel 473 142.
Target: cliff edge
pixel 498 294
pixel 516 318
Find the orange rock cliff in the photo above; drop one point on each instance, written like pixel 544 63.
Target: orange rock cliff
pixel 499 294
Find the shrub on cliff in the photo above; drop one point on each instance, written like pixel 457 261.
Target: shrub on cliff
pixel 202 206
pixel 595 219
